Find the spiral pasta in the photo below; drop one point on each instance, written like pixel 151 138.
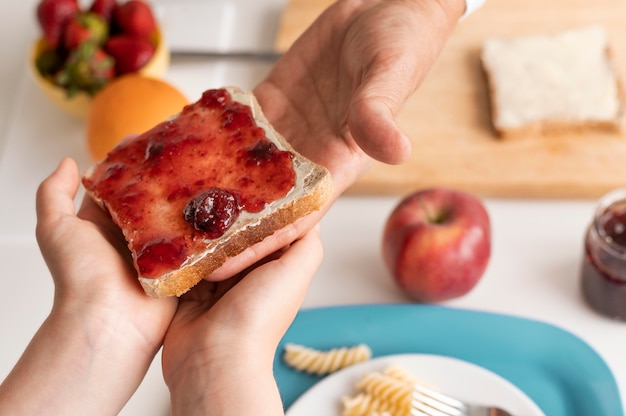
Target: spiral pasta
pixel 378 393
pixel 381 393
pixel 366 404
pixel 320 362
pixel 386 388
pixel 401 374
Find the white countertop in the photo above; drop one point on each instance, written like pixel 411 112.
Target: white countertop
pixel 534 268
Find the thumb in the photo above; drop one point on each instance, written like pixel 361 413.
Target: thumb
pixel 55 195
pixel 371 118
pixel 276 290
pixel 372 126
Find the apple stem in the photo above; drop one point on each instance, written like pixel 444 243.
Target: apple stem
pixel 432 218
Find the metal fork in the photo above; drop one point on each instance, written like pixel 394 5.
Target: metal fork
pixel 427 402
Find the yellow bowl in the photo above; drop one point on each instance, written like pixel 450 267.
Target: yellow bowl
pixel 78 105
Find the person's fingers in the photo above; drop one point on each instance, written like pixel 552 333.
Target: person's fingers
pixel 293 271
pixel 55 195
pixel 371 121
pixel 265 248
pixel 90 211
pixel 287 278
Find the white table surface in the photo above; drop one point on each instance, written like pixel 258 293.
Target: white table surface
pixel 537 245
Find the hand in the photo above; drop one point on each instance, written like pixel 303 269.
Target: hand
pixel 103 331
pixel 91 266
pixel 218 353
pixel 335 93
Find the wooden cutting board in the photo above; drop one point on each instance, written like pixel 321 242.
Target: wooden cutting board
pixel 448 120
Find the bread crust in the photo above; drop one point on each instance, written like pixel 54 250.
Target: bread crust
pixel 557 127
pixel 315 190
pixel 181 280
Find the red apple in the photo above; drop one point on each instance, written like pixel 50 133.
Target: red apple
pixel 437 243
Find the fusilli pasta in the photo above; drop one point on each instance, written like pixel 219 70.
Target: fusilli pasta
pixel 384 393
pixel 387 388
pixel 320 362
pixel 365 404
pixel 381 393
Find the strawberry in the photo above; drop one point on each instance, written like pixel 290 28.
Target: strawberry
pixel 52 16
pixel 85 27
pixel 88 68
pixel 135 18
pixel 130 53
pixel 104 8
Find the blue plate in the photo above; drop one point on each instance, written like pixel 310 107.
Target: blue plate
pixel 556 369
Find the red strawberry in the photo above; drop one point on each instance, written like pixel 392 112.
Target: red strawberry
pixel 104 8
pixel 52 16
pixel 130 53
pixel 84 27
pixel 135 18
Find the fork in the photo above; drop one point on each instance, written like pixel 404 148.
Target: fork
pixel 427 402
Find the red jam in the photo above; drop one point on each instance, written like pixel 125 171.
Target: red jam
pixel 604 264
pixel 149 183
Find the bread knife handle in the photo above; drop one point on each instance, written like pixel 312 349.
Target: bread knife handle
pixel 269 56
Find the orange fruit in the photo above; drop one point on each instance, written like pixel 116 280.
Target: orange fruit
pixel 131 104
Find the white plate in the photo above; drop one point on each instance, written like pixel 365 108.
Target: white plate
pixel 463 380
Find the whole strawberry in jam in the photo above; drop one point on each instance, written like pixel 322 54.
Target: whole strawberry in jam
pixel 135 18
pixel 85 27
pixel 53 16
pixel 212 211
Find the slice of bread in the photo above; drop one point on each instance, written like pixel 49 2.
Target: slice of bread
pixel 552 83
pixel 165 188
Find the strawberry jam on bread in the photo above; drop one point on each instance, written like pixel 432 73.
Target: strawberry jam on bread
pixel 202 187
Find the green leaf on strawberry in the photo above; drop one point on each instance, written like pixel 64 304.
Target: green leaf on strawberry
pixel 49 62
pixel 85 27
pixel 88 68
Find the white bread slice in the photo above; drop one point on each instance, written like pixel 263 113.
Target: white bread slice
pixel 552 83
pixel 312 189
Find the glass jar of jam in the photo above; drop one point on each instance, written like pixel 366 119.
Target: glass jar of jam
pixel 604 264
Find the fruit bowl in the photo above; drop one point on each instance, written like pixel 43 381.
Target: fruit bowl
pixel 79 103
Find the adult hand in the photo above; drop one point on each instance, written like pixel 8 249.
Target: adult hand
pixel 335 93
pixel 218 352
